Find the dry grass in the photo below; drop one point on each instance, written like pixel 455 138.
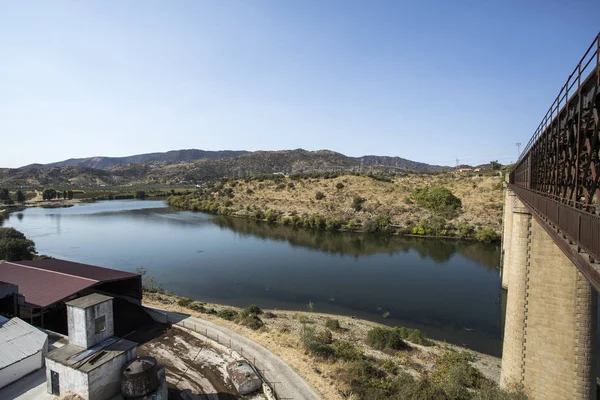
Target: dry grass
pixel 281 335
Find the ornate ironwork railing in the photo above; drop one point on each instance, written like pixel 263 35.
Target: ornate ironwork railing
pixel 558 172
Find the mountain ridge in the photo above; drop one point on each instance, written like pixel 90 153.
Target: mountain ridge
pixel 173 170
pixel 103 162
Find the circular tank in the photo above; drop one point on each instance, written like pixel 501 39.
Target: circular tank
pixel 140 377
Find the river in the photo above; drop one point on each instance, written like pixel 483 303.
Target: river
pixel 448 289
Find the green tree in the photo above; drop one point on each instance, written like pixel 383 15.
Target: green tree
pixel 49 194
pixel 21 196
pixel 4 195
pixel 495 165
pixel 140 194
pixel 15 246
pixel 70 194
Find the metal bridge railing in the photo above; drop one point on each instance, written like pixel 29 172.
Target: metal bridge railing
pixel 558 173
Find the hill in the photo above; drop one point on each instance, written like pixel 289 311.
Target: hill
pixel 192 172
pixel 360 202
pixel 169 156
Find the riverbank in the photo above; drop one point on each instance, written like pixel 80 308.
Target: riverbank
pixel 442 205
pixel 336 355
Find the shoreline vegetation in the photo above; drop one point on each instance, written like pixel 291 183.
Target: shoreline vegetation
pixel 347 358
pixel 423 205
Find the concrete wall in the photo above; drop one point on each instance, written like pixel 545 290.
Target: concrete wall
pixel 19 369
pixel 82 324
pixel 105 381
pixel 550 330
pixel 69 379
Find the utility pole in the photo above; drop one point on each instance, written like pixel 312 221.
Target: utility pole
pixel 518 149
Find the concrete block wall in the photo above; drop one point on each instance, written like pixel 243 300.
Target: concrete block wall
pixel 549 338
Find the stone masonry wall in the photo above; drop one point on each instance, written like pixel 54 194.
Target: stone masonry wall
pixel 515 325
pixel 560 325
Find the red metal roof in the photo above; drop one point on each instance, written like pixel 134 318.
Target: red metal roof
pixel 45 282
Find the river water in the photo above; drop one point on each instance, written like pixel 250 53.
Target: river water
pixel 448 289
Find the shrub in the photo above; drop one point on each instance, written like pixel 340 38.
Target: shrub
pixel 254 310
pixel 370 226
pixel 251 321
pixel 319 195
pixel 258 214
pixel 249 191
pixel 291 185
pixel 352 225
pixel 385 339
pixel 487 235
pixel 414 336
pixel 455 375
pixel 437 199
pixel 389 365
pixel 316 344
pixel 332 324
pixel 465 230
pixel 383 223
pixel 227 314
pixel 196 306
pixel 325 336
pixel 339 185
pixel 357 203
pixel 346 350
pixel 184 301
pixel 281 186
pixel 271 215
pixel 333 224
pixel 269 315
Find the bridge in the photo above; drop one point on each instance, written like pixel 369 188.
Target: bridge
pixel 551 246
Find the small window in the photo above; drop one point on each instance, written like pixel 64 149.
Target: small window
pixel 100 324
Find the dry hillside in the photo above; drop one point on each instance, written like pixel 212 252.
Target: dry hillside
pixel 280 198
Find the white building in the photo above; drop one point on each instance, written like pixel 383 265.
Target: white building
pixel 22 349
pixel 90 365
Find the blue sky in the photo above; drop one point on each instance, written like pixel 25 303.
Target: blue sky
pixel 425 80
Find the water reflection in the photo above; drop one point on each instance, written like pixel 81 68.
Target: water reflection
pixel 438 250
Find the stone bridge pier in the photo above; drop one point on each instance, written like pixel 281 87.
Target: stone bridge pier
pixel 550 337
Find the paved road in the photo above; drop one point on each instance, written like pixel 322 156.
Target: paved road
pixel 287 383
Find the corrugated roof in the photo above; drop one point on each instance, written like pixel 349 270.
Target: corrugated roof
pixel 18 340
pixel 45 282
pixel 77 269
